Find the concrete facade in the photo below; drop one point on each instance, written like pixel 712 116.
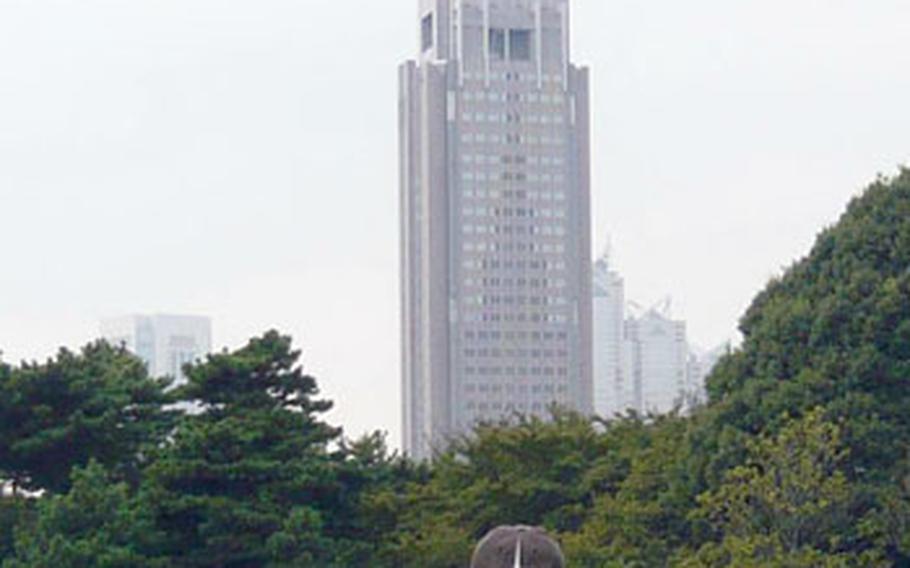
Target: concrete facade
pixel 495 219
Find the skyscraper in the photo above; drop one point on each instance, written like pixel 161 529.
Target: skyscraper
pixel 656 362
pixel 612 391
pixel 165 343
pixel 495 218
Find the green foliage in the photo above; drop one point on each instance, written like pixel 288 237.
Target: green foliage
pixel 790 500
pixel 765 551
pixel 531 472
pixel 639 516
pixel 96 524
pixel 375 480
pixel 251 480
pixel 14 511
pixel 97 404
pixel 888 523
pixel 834 331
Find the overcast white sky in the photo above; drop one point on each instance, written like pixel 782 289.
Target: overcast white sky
pixel 238 159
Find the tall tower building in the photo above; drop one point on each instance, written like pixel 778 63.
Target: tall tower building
pixel 656 362
pixel 165 343
pixel 611 390
pixel 495 218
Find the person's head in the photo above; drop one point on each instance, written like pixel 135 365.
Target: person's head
pixel 517 547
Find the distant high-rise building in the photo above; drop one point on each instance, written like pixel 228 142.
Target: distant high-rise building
pixel 656 358
pixel 164 342
pixel 495 218
pixel 642 360
pixel 611 390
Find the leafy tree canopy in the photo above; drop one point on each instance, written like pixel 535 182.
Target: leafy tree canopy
pixel 789 504
pixel 253 479
pixel 96 524
pixel 833 331
pixel 96 404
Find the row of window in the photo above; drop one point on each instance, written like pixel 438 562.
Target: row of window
pixel 544 248
pixel 513 118
pixel 492 283
pixel 512 283
pixel 509 388
pixel 496 282
pixel 519 263
pixel 496 263
pixel 523 194
pixel 508 283
pixel 509 76
pixel 516 353
pixel 509 212
pixel 481 411
pixel 516 300
pixel 519 230
pixel 495 335
pixel 512 176
pixel 497 371
pixel 508 97
pixel 510 317
pixel 496 138
pixel 492 160
pixel 522 247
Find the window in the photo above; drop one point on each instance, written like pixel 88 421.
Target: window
pixel 520 45
pixel 497 43
pixel 426 32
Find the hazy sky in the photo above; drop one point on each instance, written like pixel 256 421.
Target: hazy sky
pixel 238 159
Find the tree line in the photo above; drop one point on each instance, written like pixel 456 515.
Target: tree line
pixel 801 457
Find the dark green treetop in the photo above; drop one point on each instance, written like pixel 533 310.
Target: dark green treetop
pixel 832 332
pixel 251 480
pixel 97 524
pixel 96 404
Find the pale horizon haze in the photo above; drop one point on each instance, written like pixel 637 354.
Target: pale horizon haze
pixel 239 160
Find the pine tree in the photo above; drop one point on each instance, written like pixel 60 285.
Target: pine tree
pixel 97 524
pixel 251 480
pixel 96 404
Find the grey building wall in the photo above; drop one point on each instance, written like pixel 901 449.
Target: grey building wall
pixel 495 219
